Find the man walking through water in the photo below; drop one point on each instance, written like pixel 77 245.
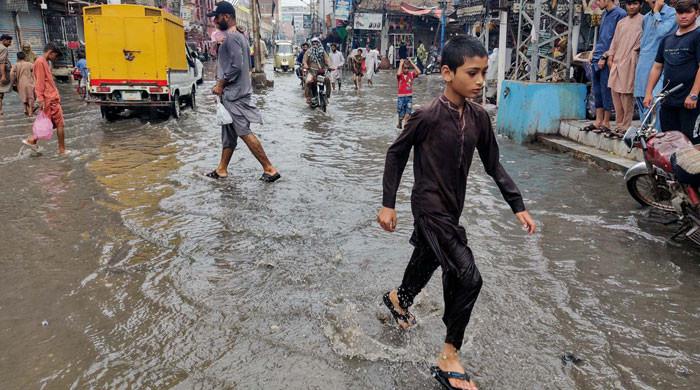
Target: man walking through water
pixel 234 88
pixel 444 135
pixel 47 95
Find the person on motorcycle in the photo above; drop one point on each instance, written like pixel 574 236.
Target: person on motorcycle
pixel 304 48
pixel 316 61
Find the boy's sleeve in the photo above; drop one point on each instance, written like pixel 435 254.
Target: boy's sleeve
pixel 397 157
pixel 490 157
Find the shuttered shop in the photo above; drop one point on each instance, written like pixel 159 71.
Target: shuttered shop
pixel 32 27
pixel 7 26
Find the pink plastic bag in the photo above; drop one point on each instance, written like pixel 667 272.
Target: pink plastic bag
pixel 43 127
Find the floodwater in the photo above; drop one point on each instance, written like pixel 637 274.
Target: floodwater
pixel 149 275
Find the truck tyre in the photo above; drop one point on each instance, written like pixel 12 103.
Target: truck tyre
pixel 193 98
pixel 175 106
pixel 110 114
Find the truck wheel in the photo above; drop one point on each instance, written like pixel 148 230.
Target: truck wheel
pixel 108 113
pixel 175 106
pixel 193 99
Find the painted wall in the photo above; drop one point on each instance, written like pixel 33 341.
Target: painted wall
pixel 528 109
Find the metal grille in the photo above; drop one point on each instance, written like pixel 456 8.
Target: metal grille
pixel 539 27
pixel 14 5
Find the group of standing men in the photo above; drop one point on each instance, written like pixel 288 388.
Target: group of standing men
pixel 636 56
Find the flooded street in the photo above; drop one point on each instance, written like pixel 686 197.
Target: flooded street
pixel 152 276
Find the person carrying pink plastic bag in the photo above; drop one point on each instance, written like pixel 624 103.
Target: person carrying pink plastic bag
pixel 51 115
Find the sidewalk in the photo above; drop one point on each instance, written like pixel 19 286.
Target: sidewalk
pixel 609 153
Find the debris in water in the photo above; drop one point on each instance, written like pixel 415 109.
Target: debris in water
pixel 569 357
pixel 44 323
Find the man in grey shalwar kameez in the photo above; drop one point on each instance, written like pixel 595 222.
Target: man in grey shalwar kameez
pixel 234 88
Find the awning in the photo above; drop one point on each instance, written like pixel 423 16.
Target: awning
pixel 417 11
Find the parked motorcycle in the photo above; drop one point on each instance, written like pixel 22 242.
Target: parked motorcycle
pixel 669 177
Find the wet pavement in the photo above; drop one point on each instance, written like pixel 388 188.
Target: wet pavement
pixel 151 276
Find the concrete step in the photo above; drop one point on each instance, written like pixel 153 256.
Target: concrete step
pixel 605 159
pixel 570 129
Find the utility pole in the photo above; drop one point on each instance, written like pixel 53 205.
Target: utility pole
pixel 258 76
pixel 443 21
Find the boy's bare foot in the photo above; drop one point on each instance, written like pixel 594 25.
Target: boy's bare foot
pixel 449 361
pixel 62 151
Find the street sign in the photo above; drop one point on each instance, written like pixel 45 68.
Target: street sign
pixel 471 11
pixel 342 9
pixel 365 21
pixel 307 21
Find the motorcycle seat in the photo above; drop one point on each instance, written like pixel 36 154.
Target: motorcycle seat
pixel 686 165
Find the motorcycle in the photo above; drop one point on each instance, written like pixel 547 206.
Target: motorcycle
pixel 668 179
pixel 320 92
pixel 300 73
pixel 433 64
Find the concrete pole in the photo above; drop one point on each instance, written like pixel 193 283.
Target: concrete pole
pixel 502 51
pixel 256 38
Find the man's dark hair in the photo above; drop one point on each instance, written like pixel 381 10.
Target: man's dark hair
pixel 334 45
pixel 459 48
pixel 305 44
pixel 685 6
pixel 52 47
pixel 21 55
pixel 5 37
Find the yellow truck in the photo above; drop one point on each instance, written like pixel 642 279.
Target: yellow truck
pixel 137 59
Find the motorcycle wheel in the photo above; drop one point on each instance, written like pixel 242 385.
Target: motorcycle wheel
pixel 642 190
pixel 322 102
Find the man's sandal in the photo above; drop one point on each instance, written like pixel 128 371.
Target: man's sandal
pixel 444 377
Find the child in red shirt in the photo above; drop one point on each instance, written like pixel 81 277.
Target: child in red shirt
pixel 405 97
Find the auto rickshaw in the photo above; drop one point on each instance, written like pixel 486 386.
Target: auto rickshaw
pixel 284 56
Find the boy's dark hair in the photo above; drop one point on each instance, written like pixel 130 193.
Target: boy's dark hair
pixel 685 6
pixel 459 48
pixel 633 1
pixel 52 47
pixel 5 37
pixel 21 55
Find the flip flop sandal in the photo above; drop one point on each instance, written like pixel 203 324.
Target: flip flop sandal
pixel 602 129
pixel 408 318
pixel 444 377
pixel 214 175
pixel 267 178
pixel 34 147
pixel 588 128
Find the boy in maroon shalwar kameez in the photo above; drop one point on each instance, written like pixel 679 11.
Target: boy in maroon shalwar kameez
pixel 444 135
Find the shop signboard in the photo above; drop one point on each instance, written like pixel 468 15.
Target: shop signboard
pixel 367 21
pixel 471 11
pixel 298 22
pixel 307 21
pixel 342 9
